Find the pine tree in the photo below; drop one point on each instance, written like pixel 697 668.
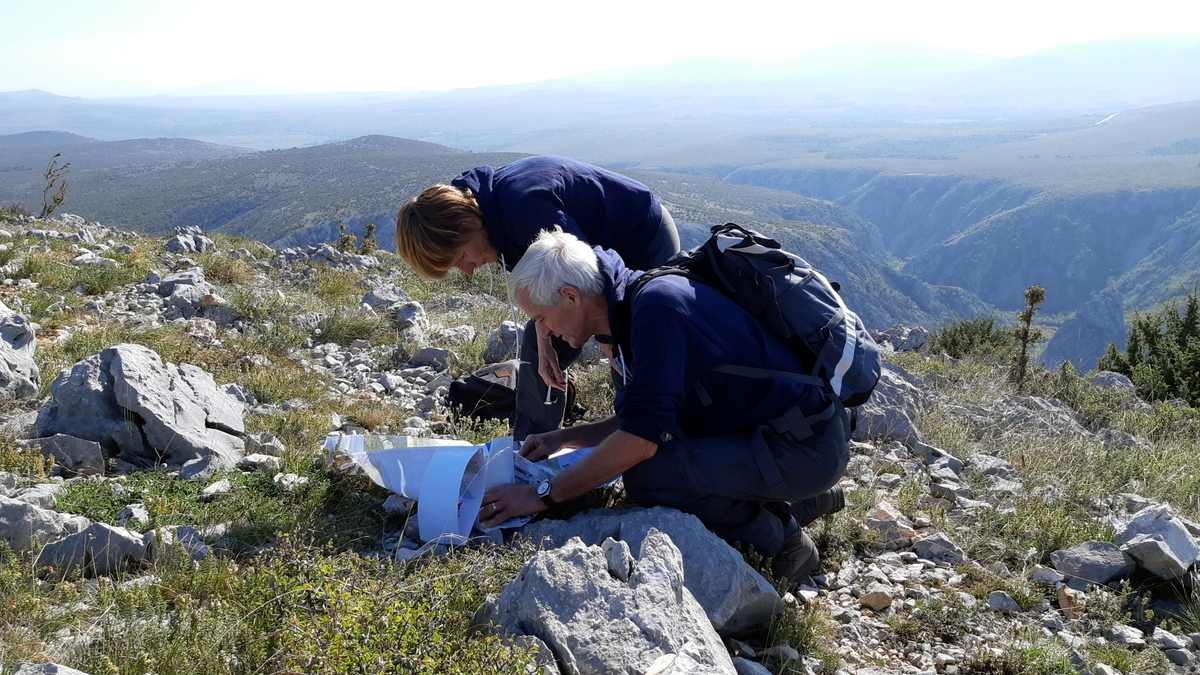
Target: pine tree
pixel 346 242
pixel 1162 353
pixel 369 243
pixel 1026 334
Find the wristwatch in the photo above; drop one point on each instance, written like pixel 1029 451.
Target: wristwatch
pixel 543 493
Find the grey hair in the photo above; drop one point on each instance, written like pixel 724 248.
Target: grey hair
pixel 554 260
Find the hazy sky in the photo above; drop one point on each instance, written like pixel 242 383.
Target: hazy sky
pixel 146 47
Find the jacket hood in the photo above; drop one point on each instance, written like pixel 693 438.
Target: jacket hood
pixel 616 278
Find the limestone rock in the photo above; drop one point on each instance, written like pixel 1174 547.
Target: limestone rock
pixel 878 597
pixel 502 342
pixel 98 550
pixel 126 393
pixel 938 548
pixel 894 529
pixel 1107 379
pixel 24 525
pixel 75 455
pixel 19 374
pixel 735 596
pixel 1096 562
pixel 596 623
pixel 1159 541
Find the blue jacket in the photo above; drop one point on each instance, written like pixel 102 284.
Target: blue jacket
pixel 678 330
pixel 603 208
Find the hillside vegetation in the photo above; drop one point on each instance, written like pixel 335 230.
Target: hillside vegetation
pixel 943 561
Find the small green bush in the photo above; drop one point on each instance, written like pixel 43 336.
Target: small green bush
pixel 1162 353
pixel 979 338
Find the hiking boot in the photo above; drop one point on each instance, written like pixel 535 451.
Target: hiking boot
pixel 824 504
pixel 797 559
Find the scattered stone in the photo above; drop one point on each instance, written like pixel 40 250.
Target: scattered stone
pixel 432 357
pixel 289 482
pixel 264 443
pixel 256 462
pixel 1097 562
pixel 189 239
pixel 938 548
pixel 221 487
pixel 1001 601
pixel 878 597
pixel 596 623
pixel 407 315
pixel 1126 636
pixel 502 342
pixel 1045 576
pixel 77 456
pixel 894 529
pixel 783 652
pixel 136 512
pixel 1164 639
pixel 186 537
pixel 19 374
pixel 98 550
pixel 1180 657
pixel 384 297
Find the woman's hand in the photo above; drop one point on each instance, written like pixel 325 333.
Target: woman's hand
pixel 504 502
pixel 548 368
pixel 540 446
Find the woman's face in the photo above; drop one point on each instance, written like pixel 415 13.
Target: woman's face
pixel 476 253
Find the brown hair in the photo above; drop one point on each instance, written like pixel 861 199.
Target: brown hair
pixel 432 228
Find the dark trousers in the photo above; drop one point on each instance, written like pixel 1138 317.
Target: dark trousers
pixel 742 487
pixel 534 416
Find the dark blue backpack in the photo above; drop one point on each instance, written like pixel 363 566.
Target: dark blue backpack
pixel 792 300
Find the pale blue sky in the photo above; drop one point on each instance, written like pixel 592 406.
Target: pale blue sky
pixel 147 47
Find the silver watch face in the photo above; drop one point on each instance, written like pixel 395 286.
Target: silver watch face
pixel 543 488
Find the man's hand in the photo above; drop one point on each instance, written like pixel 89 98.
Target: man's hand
pixel 548 368
pixel 540 446
pixel 509 501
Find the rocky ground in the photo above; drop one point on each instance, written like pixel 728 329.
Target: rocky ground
pixel 165 505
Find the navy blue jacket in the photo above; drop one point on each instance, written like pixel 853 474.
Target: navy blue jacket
pixel 600 207
pixel 678 331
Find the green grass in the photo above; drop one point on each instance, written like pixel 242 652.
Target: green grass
pixel 1149 661
pixel 810 630
pixel 945 619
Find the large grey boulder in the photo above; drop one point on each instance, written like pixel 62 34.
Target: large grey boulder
pixel 24 525
pixel 129 401
pixel 99 550
pixel 188 294
pixel 1097 562
pixel 904 338
pixel 19 375
pixel 597 623
pixel 76 456
pixel 735 596
pixel 1159 541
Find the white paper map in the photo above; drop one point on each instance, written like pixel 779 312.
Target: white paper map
pixel 447 478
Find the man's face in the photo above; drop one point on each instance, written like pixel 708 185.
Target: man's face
pixel 565 319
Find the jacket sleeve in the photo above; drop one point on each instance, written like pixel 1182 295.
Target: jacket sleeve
pixel 651 401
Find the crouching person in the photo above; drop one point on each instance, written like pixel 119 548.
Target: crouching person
pixel 755 459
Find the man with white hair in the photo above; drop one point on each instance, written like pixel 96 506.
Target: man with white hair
pixel 755 459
